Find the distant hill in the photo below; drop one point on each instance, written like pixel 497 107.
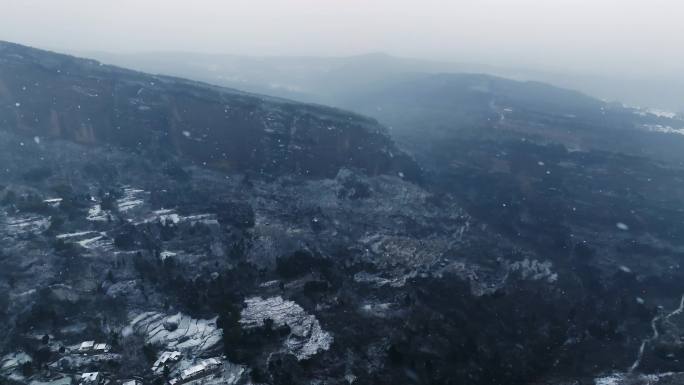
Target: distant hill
pixel 427 112
pixel 321 79
pixel 427 104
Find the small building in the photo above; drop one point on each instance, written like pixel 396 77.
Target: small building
pixel 92 378
pixel 132 382
pixel 165 359
pixel 101 348
pixel 53 202
pixel 203 369
pixel 86 346
pixel 90 347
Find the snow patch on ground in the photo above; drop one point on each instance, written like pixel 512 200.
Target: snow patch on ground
pixel 66 380
pixel 96 214
pixel 534 270
pixel 488 280
pixel 662 113
pixel 365 277
pixel 90 240
pixel 664 129
pixel 132 198
pixel 169 217
pixel 24 224
pixel 632 379
pixel 164 255
pixel 74 235
pixel 53 202
pixel 652 111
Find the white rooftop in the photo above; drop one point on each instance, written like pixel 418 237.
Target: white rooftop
pixel 164 358
pixel 201 367
pixel 87 345
pixel 90 377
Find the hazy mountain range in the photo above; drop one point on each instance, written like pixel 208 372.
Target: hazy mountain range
pixel 323 79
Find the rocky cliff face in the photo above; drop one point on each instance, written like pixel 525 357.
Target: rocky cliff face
pixel 50 95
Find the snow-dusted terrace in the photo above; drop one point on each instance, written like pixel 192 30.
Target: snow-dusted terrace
pixel 306 338
pixel 177 332
pixel 23 224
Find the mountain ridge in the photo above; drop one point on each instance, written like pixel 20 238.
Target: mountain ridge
pixel 54 95
pixel 219 68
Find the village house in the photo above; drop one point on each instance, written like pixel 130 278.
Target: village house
pixel 203 369
pixel 165 359
pixel 92 378
pixel 90 347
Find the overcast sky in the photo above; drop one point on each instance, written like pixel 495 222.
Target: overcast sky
pixel 620 36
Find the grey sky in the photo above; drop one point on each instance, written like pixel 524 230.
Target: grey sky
pixel 618 36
